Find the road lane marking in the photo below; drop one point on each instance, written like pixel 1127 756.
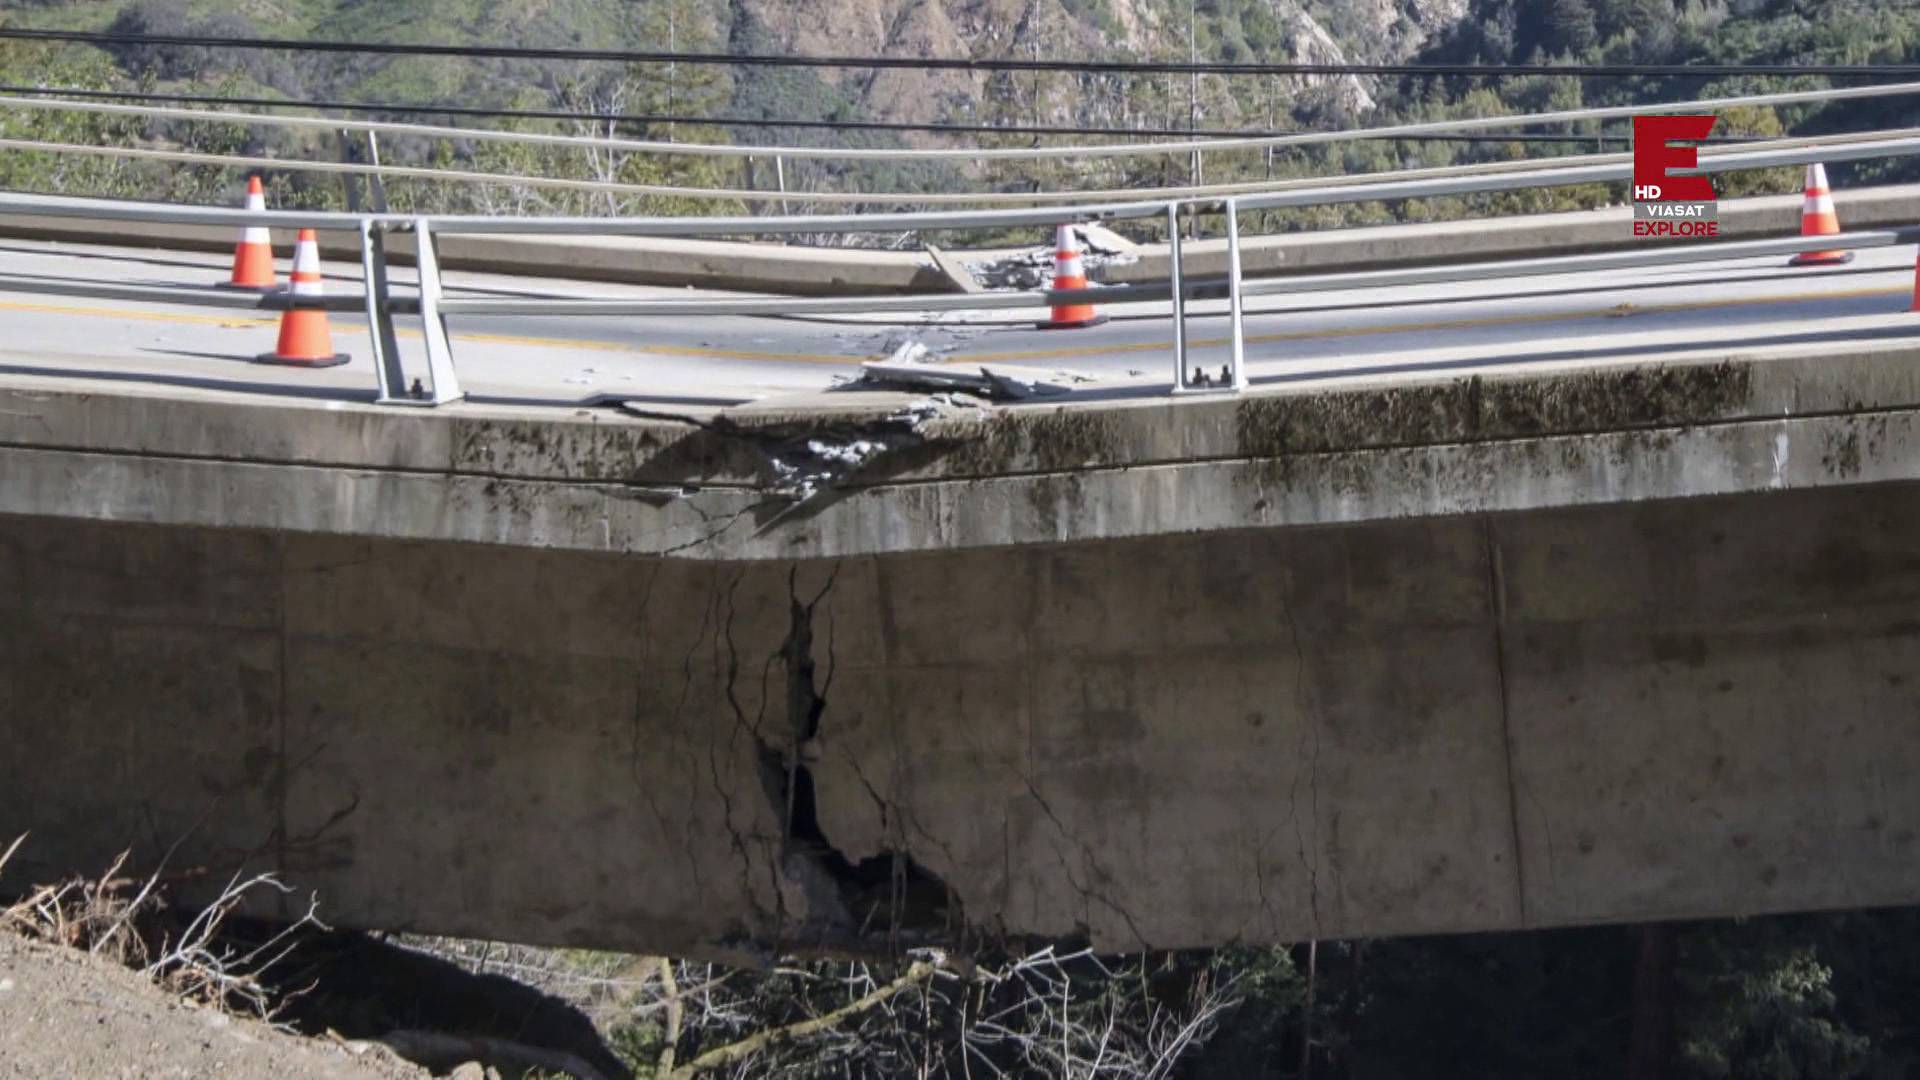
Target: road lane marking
pixel 127 313
pixel 1627 310
pixel 697 351
pixel 245 322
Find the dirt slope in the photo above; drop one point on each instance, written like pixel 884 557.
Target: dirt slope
pixel 66 1014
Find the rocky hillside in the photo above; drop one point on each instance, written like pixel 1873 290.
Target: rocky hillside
pixel 1232 30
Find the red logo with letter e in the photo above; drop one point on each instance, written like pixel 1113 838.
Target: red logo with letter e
pixel 1665 205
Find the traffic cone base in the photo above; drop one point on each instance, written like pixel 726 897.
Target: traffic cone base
pixel 1057 323
pixel 305 340
pixel 334 360
pixel 1821 258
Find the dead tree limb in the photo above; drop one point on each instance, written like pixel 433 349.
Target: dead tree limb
pixel 920 971
pixel 676 1012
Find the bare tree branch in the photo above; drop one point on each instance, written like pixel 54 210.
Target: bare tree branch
pixel 918 972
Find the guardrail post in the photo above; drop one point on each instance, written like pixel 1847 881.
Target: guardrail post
pixel 446 385
pixel 1176 279
pixel 1239 361
pixel 780 177
pixel 349 182
pixel 351 153
pixel 386 347
pixel 376 187
pixel 1233 377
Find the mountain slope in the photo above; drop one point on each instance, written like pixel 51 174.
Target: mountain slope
pixel 1233 30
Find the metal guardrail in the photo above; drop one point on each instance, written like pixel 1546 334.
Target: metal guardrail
pixel 439 383
pixel 1560 172
pixel 1240 189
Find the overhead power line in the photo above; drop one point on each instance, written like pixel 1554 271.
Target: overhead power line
pixel 1203 67
pixel 642 119
pixel 969 153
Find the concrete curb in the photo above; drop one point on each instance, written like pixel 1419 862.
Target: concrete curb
pixel 656 487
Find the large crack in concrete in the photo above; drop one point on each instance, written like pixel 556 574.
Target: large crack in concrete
pixel 1307 850
pixel 844 899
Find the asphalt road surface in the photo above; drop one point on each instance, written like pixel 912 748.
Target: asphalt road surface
pixel 1748 305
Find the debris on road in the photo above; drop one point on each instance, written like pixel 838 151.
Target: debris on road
pixel 1034 269
pixel 1019 384
pixel 908 368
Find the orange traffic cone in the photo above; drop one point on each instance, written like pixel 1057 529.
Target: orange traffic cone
pixel 305 340
pixel 1818 219
pixel 1916 283
pixel 1069 274
pixel 253 258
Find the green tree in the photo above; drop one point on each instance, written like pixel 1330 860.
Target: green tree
pixel 1759 1005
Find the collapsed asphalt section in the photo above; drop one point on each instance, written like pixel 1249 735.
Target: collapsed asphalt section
pixel 1033 269
pixel 801 460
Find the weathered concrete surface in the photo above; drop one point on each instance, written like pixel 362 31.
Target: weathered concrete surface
pixel 1483 652
pixel 698 487
pixel 1637 712
pixel 672 261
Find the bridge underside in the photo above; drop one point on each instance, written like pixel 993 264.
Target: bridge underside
pixel 1629 712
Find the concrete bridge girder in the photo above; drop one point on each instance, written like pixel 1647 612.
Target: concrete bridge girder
pixel 1470 723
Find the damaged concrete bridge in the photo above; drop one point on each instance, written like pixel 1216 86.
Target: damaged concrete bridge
pixel 1555 646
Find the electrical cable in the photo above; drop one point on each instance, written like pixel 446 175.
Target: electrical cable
pixel 742 122
pixel 1095 67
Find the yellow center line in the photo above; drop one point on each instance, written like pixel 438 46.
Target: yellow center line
pixel 150 316
pixel 700 351
pixel 1063 353
pixel 241 322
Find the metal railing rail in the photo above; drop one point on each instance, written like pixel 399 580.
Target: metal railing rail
pixel 1876 144
pixel 439 383
pixel 1757 156
pixel 1242 189
pixel 421 172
